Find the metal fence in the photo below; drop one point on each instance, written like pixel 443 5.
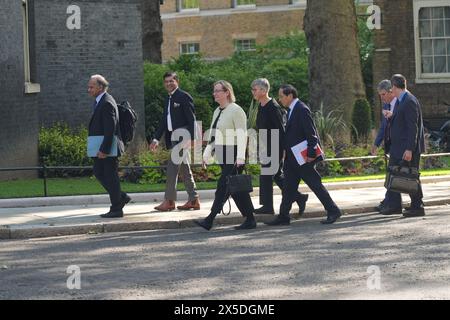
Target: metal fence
pixel 45 169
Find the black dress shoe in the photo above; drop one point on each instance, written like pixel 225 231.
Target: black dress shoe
pixel 386 211
pixel 248 224
pixel 414 212
pixel 414 207
pixel 331 218
pixel 264 210
pixel 301 201
pixel 125 200
pixel 205 224
pixel 380 206
pixel 113 214
pixel 279 221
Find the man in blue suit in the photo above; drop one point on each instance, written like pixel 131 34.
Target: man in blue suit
pixel 389 100
pixel 407 143
pixel 300 127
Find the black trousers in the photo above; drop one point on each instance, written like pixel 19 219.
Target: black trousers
pixel 107 173
pixel 308 173
pixel 394 199
pixel 266 185
pixel 242 200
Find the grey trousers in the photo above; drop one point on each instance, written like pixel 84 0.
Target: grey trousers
pixel 184 169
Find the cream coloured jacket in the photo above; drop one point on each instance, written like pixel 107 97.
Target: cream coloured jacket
pixel 231 130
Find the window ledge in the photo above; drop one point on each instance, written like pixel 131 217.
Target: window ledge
pixel 189 11
pixel 32 87
pixel 245 7
pixel 432 80
pixel 298 4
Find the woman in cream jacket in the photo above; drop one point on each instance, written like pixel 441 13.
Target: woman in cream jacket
pixel 227 142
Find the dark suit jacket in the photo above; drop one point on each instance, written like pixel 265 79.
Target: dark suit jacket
pixel 300 126
pixel 269 117
pixel 407 127
pixel 182 115
pixel 380 135
pixel 105 122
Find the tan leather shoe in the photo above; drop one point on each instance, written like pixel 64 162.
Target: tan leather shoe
pixel 194 204
pixel 167 205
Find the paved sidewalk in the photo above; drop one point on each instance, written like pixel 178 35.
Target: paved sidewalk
pixel 31 218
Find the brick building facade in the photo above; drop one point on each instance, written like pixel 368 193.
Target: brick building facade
pixel 216 28
pixel 414 40
pixel 49 49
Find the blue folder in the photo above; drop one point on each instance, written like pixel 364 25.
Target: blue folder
pixel 94 143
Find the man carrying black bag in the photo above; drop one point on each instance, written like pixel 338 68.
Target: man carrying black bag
pixel 407 143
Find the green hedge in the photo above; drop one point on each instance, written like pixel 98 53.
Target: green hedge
pixel 61 146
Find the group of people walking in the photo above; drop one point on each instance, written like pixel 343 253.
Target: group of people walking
pixel 286 126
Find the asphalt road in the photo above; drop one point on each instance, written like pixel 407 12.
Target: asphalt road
pixel 365 256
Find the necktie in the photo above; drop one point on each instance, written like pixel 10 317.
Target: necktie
pixel 169 119
pixel 94 106
pixel 214 126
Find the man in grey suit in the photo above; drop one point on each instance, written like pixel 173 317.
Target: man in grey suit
pixel 407 143
pixel 105 122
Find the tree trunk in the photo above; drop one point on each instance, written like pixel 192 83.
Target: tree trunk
pixel 335 77
pixel 151 30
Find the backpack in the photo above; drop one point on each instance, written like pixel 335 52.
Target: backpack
pixel 127 121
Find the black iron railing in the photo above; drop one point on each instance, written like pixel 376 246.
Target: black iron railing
pixel 45 169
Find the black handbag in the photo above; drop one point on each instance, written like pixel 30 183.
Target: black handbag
pixel 403 179
pixel 239 183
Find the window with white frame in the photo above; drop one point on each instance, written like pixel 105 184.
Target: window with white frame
pixel 190 48
pixel 245 44
pixel 432 34
pixel 188 5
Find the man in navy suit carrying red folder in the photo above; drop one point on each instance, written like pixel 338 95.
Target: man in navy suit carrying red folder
pixel 300 127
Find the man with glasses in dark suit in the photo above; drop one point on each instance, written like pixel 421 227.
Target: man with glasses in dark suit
pixel 300 127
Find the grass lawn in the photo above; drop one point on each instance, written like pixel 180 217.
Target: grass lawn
pixel 89 185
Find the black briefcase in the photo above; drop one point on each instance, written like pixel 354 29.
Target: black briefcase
pixel 238 183
pixel 403 179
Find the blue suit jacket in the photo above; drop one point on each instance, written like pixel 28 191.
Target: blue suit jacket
pixel 380 135
pixel 300 126
pixel 407 127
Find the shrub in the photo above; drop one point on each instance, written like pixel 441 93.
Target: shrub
pixel 360 167
pixel 330 168
pixel 61 146
pixel 203 112
pixel 147 158
pixel 328 126
pixel 361 120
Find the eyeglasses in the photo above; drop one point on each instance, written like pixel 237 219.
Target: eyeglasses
pixel 223 90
